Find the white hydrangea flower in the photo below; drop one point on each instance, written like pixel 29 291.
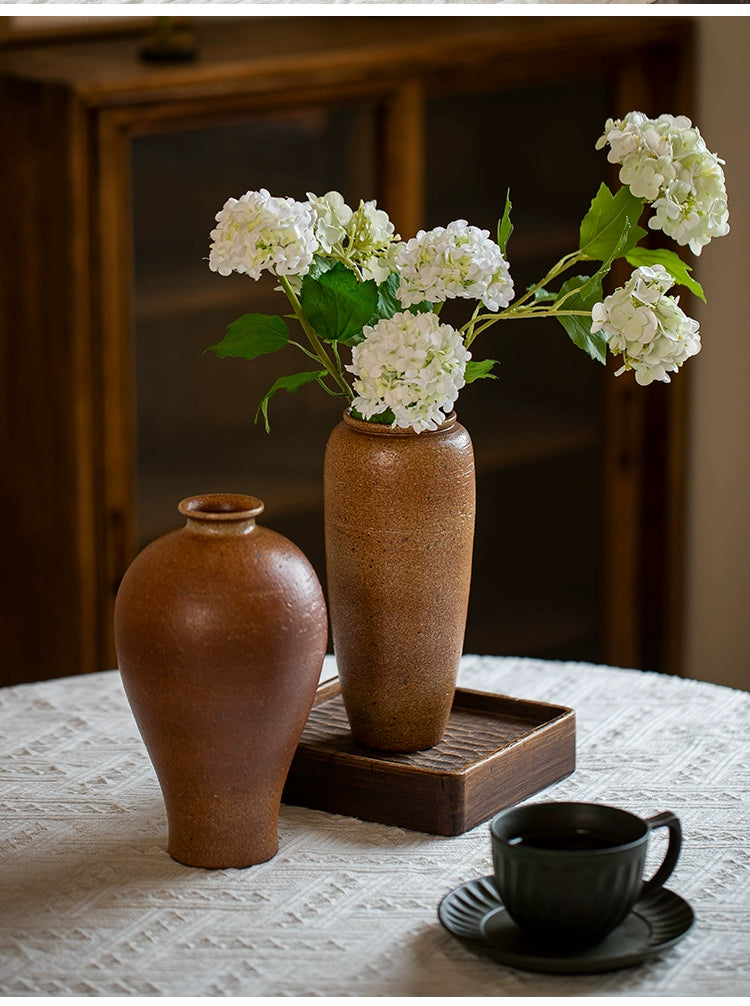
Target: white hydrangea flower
pixel 259 231
pixel 332 216
pixel 412 365
pixel 649 328
pixel 454 261
pixel 371 235
pixel 666 162
pixel 360 238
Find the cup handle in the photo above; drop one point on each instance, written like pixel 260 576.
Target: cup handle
pixel 664 820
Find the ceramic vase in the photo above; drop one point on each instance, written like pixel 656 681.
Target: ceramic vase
pixel 221 630
pixel 399 529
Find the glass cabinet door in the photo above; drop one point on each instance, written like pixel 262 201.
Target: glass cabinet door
pixel 537 428
pixel 195 412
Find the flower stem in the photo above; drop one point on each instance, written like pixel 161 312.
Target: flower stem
pixel 520 309
pixel 525 312
pixel 315 342
pixel 565 263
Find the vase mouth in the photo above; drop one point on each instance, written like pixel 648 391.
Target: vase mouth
pixel 222 507
pixel 386 430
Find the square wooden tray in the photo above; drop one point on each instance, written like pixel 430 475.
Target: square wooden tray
pixel 495 752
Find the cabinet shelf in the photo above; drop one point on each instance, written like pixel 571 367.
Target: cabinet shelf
pixel 159 295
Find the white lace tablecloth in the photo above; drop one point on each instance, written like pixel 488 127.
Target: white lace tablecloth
pixel 91 904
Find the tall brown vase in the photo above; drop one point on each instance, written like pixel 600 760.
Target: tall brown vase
pixel 399 525
pixel 221 630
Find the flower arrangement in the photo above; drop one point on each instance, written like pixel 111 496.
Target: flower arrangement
pixel 353 284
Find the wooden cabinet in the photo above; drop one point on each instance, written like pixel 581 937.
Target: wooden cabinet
pixel 112 171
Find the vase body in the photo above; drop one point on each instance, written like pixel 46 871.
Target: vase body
pixel 399 527
pixel 220 631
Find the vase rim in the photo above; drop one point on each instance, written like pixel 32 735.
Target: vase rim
pixel 224 507
pixel 386 430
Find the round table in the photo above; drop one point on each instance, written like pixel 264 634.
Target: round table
pixel 91 904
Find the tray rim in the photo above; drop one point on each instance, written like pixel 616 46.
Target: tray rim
pixel 331 689
pixel 438 799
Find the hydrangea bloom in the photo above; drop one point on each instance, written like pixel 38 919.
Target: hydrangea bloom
pixel 360 238
pixel 665 161
pixel 651 331
pixel 259 231
pixel 332 216
pixel 454 261
pixel 412 365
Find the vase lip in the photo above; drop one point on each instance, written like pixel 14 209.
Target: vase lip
pixel 222 507
pixel 386 430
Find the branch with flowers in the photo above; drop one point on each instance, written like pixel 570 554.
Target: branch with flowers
pixel 355 287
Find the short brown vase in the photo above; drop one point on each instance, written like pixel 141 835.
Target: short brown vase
pixel 221 631
pixel 399 528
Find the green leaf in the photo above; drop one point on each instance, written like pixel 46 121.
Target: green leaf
pixel 611 225
pixel 384 418
pixel 388 303
pixel 320 265
pixel 291 384
pixel 541 295
pixel 678 270
pixel 584 292
pixel 505 227
pixel 252 335
pixel 423 307
pixel 477 369
pixel 337 305
pixel 591 291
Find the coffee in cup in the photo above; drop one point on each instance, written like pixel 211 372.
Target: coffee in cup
pixel 569 873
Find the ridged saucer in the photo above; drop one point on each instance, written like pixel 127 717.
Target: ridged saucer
pixel 474 914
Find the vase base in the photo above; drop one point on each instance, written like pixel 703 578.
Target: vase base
pixel 238 838
pixel 222 858
pixel 395 747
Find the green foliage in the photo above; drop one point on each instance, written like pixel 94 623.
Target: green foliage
pixel 580 293
pixel 609 231
pixel 388 303
pixel 678 270
pixel 423 307
pixel 320 265
pixel 610 228
pixel 386 417
pixel 251 336
pixel 477 369
pixel 337 305
pixel 291 384
pixel 505 227
pixel 333 305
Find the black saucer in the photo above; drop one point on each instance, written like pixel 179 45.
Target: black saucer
pixel 474 913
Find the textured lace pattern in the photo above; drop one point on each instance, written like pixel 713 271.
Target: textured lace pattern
pixel 91 904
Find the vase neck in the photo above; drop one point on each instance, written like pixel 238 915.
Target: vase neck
pixel 386 430
pixel 221 513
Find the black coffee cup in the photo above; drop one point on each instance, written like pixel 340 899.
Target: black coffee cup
pixel 569 873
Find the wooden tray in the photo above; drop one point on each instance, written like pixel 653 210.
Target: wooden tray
pixel 496 751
